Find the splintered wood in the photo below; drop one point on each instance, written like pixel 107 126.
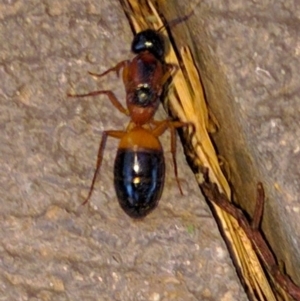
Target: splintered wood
pixel 186 102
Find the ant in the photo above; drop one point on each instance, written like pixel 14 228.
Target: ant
pixel 139 168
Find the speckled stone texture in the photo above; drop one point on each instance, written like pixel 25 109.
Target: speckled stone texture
pixel 249 56
pixel 49 143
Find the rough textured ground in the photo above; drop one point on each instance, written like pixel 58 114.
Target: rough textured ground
pixel 48 150
pixel 248 54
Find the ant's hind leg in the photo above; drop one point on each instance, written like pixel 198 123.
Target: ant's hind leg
pixel 114 134
pixel 112 97
pixel 172 125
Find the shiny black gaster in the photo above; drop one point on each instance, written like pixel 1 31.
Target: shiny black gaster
pixel 139 180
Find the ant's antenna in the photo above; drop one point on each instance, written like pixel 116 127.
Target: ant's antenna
pixel 179 20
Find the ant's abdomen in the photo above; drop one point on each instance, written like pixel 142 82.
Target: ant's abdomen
pixel 139 179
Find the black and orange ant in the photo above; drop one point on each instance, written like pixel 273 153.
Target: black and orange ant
pixel 139 168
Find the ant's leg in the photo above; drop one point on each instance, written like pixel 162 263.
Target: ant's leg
pixel 114 134
pixel 179 20
pixel 116 68
pixel 160 129
pixel 112 97
pixel 171 70
pixel 172 126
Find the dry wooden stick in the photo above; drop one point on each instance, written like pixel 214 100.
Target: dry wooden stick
pixel 252 230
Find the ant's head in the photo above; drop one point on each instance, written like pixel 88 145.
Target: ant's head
pixel 149 40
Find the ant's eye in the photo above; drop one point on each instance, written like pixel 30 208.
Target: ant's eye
pixel 149 40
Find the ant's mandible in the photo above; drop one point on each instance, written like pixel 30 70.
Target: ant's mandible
pixel 139 168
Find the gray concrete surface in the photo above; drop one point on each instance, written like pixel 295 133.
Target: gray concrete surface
pixel 248 54
pixel 48 150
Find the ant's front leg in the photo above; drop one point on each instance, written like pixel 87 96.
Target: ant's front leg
pixel 117 68
pixel 171 70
